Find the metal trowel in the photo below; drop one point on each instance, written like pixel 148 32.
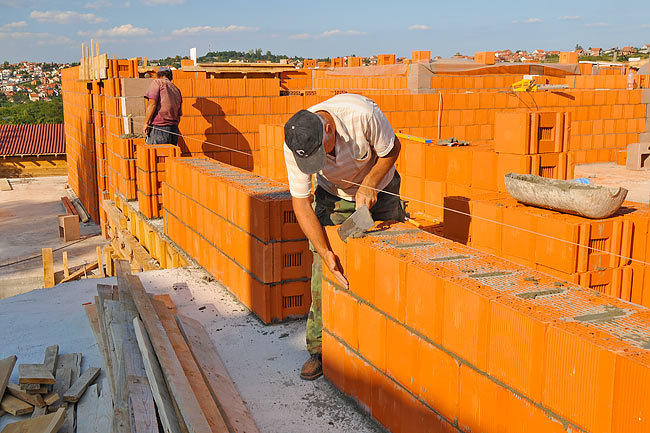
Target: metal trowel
pixel 357 224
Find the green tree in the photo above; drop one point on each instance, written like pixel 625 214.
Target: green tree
pixel 37 112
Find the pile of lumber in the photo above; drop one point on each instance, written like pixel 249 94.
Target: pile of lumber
pixel 164 371
pixel 48 391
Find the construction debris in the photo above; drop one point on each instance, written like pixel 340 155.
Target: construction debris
pixel 156 357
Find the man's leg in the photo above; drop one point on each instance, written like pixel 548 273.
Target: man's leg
pixel 389 206
pixel 330 210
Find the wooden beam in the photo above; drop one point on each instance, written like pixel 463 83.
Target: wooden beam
pixel 15 406
pixel 48 268
pixel 51 398
pixel 179 385
pixel 62 384
pixel 71 361
pixel 100 265
pixel 66 270
pixel 34 373
pixel 192 371
pixel 18 392
pixel 113 317
pixel 6 367
pixel 43 424
pixel 74 393
pixel 163 400
pixel 78 273
pixel 214 371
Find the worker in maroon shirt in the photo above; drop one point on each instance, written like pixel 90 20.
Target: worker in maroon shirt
pixel 163 109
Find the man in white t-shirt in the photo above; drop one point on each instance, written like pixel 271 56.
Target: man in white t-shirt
pixel 349 145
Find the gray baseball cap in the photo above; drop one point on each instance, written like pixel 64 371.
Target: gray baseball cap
pixel 303 134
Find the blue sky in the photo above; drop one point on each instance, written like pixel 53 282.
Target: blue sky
pixel 53 30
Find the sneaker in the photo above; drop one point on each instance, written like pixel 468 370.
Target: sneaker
pixel 313 368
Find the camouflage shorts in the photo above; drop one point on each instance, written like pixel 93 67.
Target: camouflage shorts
pixel 332 210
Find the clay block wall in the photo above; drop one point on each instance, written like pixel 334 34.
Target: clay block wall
pixel 150 174
pixel 241 228
pixel 435 336
pixel 80 139
pixel 606 255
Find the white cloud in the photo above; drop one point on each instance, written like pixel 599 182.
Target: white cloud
pixel 14 25
pixel 419 27
pixel 209 29
pixel 64 17
pixel 37 38
pixel 645 26
pixel 568 17
pixel 163 2
pixel 600 24
pixel 125 30
pixel 326 34
pixel 532 20
pixel 98 4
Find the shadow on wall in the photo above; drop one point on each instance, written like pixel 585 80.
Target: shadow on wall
pixel 222 140
pixel 457 219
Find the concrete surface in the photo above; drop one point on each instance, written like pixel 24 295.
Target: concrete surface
pixel 264 361
pixel 610 174
pixel 28 223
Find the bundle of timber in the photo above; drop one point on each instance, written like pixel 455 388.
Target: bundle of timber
pixel 163 369
pixel 54 386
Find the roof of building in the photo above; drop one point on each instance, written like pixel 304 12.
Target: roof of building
pixel 31 139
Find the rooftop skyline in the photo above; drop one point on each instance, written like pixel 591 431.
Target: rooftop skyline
pixel 39 30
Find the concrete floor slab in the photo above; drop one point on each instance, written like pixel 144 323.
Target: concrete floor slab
pixel 637 182
pixel 28 223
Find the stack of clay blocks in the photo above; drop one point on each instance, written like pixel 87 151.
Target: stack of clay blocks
pixel 120 156
pixel 532 142
pixel 151 173
pixel 242 229
pixel 436 336
pixel 272 153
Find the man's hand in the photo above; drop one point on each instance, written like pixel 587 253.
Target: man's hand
pixel 146 129
pixel 365 196
pixel 330 260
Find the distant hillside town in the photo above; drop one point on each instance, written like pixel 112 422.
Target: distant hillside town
pixel 30 81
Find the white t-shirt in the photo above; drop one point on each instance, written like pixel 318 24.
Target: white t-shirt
pixel 362 135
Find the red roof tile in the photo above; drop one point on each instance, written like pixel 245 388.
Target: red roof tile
pixel 31 139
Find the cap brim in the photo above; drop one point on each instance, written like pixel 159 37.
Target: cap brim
pixel 313 163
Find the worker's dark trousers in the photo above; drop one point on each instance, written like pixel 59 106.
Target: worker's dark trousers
pixel 332 210
pixel 163 135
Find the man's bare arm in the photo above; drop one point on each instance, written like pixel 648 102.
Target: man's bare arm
pixel 314 231
pixel 149 111
pixel 367 193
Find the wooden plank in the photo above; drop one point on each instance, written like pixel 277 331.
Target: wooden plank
pixel 95 410
pixel 143 411
pixel 108 253
pixel 18 392
pixel 50 358
pixel 73 362
pixel 15 406
pixel 167 300
pixel 34 373
pixel 6 368
pixel 35 388
pixel 79 272
pixel 159 389
pixel 179 385
pixel 192 371
pixel 114 317
pixel 63 380
pixel 48 268
pixel 74 393
pixel 43 424
pixel 66 270
pixel 214 371
pixel 51 398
